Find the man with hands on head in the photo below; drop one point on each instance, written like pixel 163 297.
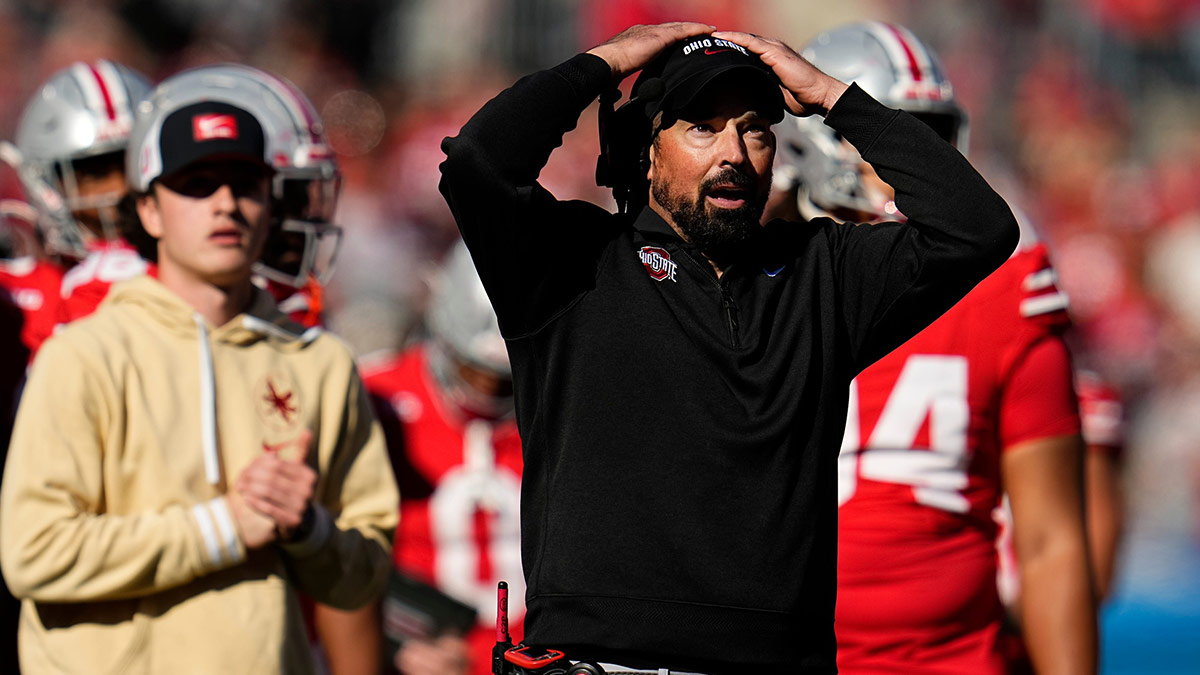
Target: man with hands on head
pixel 682 372
pixel 187 457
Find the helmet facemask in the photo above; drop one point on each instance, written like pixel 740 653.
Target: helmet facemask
pixel 92 213
pixel 467 353
pixel 459 381
pixel 303 242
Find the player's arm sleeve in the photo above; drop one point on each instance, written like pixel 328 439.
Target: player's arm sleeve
pixel 895 279
pixel 1038 396
pixel 531 250
pixel 345 558
pixel 57 543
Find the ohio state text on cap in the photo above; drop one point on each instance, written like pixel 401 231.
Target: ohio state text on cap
pixel 688 66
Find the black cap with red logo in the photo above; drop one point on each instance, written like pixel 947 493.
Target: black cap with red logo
pixel 671 82
pixel 210 130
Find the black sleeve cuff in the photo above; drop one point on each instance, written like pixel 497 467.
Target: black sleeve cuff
pixel 860 118
pixel 588 74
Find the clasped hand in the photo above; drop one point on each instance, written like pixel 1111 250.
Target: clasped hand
pixel 270 496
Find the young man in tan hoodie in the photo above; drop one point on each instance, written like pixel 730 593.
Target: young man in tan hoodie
pixel 187 456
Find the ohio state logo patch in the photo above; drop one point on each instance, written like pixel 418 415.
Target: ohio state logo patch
pixel 657 262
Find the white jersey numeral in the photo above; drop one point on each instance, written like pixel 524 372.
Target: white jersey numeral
pixel 109 266
pixel 465 490
pixel 929 386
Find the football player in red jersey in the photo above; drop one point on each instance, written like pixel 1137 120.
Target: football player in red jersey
pixel 75 180
pixel 979 403
pixel 457 454
pixel 27 278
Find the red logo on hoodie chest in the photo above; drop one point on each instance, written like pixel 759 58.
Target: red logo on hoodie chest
pixel 277 401
pixel 280 401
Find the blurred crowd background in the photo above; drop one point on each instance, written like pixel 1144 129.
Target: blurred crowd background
pixel 1085 114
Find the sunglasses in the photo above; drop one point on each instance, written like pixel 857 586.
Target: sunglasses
pixel 198 183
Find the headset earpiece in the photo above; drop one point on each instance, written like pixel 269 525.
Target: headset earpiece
pixel 604 166
pixel 624 140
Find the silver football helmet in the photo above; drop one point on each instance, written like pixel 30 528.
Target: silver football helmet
pixel 78 118
pixel 306 183
pixel 464 329
pixel 888 62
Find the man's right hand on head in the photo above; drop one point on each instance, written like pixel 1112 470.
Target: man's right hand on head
pixel 807 90
pixel 630 50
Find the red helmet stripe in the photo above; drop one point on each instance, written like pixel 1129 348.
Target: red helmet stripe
pixel 108 102
pixel 292 99
pixel 309 122
pixel 913 66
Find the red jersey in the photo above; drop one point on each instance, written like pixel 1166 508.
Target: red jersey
pixel 85 285
pixel 919 474
pixel 33 286
pixel 460 495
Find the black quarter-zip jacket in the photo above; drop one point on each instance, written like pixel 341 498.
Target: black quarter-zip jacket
pixel 681 431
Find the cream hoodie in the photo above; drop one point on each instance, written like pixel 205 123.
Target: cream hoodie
pixel 114 528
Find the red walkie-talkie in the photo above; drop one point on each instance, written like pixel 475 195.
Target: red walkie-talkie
pixel 525 657
pixel 503 642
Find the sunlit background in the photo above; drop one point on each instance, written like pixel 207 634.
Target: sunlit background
pixel 1085 114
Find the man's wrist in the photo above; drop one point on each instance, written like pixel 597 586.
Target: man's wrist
pixel 320 528
pixel 599 52
pixel 833 93
pixel 302 531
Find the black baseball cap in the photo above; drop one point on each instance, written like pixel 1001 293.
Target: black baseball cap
pixel 672 81
pixel 210 130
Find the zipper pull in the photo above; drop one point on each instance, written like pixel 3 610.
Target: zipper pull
pixel 731 316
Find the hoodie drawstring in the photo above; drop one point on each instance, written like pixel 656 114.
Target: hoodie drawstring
pixel 208 404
